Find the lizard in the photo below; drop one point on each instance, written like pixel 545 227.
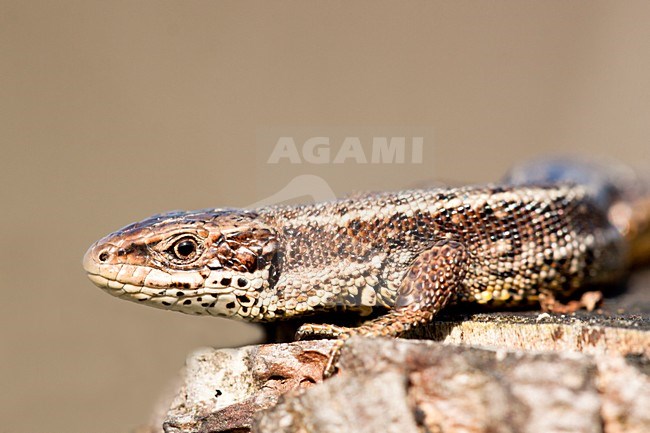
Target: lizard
pixel 548 229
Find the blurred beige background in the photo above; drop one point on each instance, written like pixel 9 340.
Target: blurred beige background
pixel 111 111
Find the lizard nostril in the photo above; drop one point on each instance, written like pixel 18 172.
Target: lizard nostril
pixel 103 256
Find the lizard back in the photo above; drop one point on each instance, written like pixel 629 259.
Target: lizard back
pixel 520 241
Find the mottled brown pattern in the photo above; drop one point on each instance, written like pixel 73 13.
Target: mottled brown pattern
pixel 355 253
pixel 518 241
pixel 405 255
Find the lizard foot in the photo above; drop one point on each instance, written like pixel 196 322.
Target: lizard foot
pixel 341 334
pixel 589 301
pixel 313 330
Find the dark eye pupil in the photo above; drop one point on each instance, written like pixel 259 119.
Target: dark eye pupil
pixel 186 248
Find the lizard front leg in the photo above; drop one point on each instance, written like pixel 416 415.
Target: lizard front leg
pixel 430 282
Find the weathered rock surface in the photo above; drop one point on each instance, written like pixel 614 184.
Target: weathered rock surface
pixel 407 386
pixel 223 389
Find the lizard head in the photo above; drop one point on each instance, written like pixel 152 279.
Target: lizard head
pixel 217 262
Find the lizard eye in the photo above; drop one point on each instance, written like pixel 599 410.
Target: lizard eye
pixel 185 248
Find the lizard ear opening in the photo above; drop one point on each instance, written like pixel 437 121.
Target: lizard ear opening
pixel 269 258
pixel 268 254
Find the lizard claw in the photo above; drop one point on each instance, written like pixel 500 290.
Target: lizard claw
pixel 340 333
pixel 333 359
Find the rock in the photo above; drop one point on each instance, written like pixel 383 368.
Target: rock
pixel 624 386
pixel 359 403
pixel 408 386
pixel 586 333
pixel 465 389
pixel 221 390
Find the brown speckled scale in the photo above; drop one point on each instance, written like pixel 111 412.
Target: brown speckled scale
pixel 405 254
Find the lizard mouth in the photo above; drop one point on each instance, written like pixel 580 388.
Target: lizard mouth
pixel 127 281
pixel 153 287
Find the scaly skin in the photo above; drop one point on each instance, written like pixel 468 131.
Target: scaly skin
pixel 408 254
